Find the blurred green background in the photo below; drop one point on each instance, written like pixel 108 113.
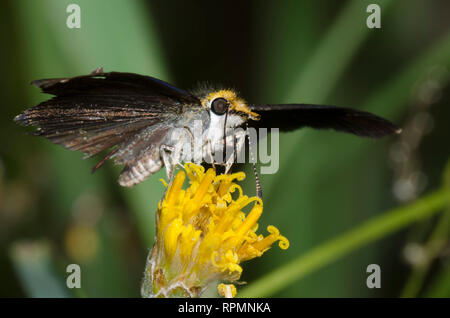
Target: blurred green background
pixel 54 212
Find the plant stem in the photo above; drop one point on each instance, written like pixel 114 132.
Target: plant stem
pixel 436 242
pixel 432 248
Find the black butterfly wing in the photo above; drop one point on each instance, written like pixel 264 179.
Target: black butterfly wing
pixel 115 83
pixel 289 117
pixel 94 112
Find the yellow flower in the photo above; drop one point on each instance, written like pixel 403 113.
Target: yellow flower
pixel 203 235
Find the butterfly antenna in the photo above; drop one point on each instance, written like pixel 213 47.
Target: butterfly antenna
pixel 255 171
pixel 258 183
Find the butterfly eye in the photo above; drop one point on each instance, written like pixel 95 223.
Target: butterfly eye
pixel 219 106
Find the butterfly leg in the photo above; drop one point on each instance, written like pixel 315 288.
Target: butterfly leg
pixel 166 154
pixel 238 143
pixel 191 141
pixel 209 152
pixel 229 164
pixel 232 158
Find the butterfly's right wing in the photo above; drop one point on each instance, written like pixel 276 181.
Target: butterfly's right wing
pixel 95 112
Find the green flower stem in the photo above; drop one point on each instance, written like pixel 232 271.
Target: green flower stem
pixel 328 252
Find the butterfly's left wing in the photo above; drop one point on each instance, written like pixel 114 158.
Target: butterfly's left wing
pixel 288 117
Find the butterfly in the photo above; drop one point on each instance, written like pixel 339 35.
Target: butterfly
pixel 148 124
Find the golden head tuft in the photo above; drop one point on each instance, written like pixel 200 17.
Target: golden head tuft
pixel 236 103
